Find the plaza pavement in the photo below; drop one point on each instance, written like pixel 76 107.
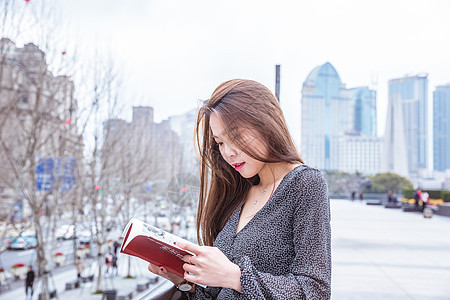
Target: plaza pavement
pixel 381 253
pixel 378 253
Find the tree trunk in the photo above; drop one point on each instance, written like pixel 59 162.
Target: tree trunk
pixel 100 263
pixel 41 258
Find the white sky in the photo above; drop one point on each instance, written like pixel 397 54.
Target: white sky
pixel 175 52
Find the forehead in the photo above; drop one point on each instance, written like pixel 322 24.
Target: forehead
pixel 216 125
pixel 235 130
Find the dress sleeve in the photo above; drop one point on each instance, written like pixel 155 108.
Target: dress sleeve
pixel 203 293
pixel 309 274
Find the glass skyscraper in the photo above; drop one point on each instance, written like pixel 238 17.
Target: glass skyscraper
pixel 441 128
pixel 406 134
pixel 327 112
pixel 365 105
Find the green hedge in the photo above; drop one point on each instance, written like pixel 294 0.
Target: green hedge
pixel 434 194
pixel 446 196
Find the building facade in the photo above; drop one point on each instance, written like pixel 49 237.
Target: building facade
pixel 406 137
pixel 360 154
pixel 441 128
pixel 184 126
pixel 339 125
pixel 327 112
pixel 365 111
pixel 37 123
pixel 139 153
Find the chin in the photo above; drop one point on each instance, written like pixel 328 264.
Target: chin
pixel 247 175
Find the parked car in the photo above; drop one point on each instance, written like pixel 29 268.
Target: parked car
pixel 11 237
pixel 24 241
pixel 64 232
pixel 84 237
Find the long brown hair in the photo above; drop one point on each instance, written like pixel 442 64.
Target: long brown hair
pixel 240 104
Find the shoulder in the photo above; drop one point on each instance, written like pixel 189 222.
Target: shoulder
pixel 305 182
pixel 305 176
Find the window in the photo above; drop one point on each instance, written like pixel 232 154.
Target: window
pixel 24 98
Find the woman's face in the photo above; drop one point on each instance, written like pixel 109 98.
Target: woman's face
pixel 239 160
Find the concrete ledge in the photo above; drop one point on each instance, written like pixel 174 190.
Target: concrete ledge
pixel 125 294
pixel 142 285
pixel 87 278
pixel 412 209
pixel 51 294
pixel 392 205
pixel 443 210
pixel 72 284
pixel 373 202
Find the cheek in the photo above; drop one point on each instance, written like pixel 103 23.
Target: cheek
pixel 222 154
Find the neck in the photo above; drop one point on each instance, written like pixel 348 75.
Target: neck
pixel 272 173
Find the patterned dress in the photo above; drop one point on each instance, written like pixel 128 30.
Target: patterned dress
pixel 284 251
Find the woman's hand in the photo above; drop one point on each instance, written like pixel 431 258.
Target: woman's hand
pixel 162 271
pixel 209 266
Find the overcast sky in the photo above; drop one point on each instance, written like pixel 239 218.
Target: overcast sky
pixel 175 52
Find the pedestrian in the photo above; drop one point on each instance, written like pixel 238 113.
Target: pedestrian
pixel 108 262
pixel 263 221
pixel 116 247
pixel 389 196
pixel 114 265
pixel 29 282
pixel 353 195
pixel 394 198
pixel 424 197
pixel 417 197
pixel 79 264
pixel 361 196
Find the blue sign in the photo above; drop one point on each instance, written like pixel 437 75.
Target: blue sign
pixel 50 169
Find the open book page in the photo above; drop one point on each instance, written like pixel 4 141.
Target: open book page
pixel 153 245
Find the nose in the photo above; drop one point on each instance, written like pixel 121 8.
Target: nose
pixel 229 151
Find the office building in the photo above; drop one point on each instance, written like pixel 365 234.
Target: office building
pixel 441 128
pixel 365 106
pixel 360 153
pixel 406 137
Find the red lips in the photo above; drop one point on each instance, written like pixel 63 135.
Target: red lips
pixel 238 166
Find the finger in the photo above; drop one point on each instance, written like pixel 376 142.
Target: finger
pixel 191 247
pixel 152 268
pixel 190 268
pixel 189 259
pixel 190 277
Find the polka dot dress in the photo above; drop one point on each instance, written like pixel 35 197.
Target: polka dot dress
pixel 284 251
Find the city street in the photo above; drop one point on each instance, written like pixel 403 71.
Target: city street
pixel 10 257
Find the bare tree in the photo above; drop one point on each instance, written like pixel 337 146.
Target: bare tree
pixel 37 127
pixel 103 87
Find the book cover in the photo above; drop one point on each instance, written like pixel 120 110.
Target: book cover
pixel 153 245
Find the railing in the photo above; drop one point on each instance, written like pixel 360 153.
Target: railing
pixel 370 196
pixel 164 291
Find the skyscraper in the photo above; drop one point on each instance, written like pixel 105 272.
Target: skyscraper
pixel 365 105
pixel 441 128
pixel 327 112
pixel 406 134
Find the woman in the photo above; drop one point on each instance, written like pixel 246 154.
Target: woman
pixel 263 215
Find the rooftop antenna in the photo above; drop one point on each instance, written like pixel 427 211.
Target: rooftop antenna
pixel 374 80
pixel 277 82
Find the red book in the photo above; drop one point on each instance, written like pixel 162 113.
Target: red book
pixel 153 245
